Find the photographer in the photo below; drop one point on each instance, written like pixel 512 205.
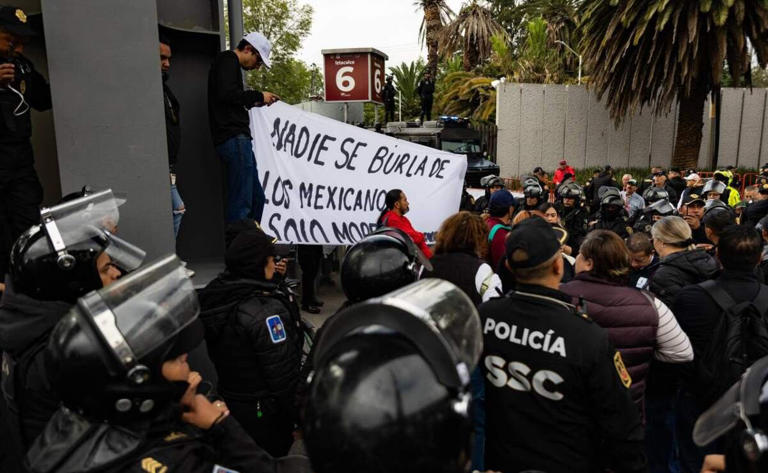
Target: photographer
pixel 21 88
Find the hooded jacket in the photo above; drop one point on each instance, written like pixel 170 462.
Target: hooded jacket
pixel 254 337
pixel 25 325
pixel 682 269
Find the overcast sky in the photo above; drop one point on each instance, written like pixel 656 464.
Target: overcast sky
pixel 391 26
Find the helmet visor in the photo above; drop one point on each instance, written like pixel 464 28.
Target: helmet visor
pixel 145 308
pixel 434 314
pixel 126 256
pixel 80 219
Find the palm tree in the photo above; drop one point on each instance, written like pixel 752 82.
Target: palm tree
pixel 467 95
pixel 436 14
pixel 406 78
pixel 471 32
pixel 657 51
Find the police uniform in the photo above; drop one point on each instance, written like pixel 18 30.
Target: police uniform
pixel 20 189
pixel 558 389
pixel 575 222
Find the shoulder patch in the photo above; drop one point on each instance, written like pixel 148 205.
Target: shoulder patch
pixel 626 380
pixel 276 329
pixel 150 465
pixel 175 436
pixel 221 469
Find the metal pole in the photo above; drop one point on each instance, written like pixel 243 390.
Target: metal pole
pixel 346 112
pixel 579 69
pixel 399 106
pixel 235 15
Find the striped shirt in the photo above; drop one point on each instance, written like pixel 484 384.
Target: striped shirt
pixel 672 344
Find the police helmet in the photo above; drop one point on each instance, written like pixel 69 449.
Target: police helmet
pixel 383 261
pixel 740 415
pixel 570 190
pixel 104 358
pixel 532 188
pixel 661 207
pixel 56 260
pixel 718 213
pixel 390 386
pixel 491 180
pixel 715 186
pixel 609 195
pixel 655 194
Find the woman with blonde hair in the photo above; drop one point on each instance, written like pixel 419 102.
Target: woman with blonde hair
pixel 460 249
pixel 681 264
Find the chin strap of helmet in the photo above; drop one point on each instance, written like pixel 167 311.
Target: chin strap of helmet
pixel 63 258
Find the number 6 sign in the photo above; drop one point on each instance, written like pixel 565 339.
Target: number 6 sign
pixel 354 75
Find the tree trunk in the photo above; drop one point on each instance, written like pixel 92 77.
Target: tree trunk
pixel 433 25
pixel 471 57
pixel 689 125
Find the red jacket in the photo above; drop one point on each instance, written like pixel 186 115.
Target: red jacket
pixel 560 174
pixel 392 219
pixel 498 245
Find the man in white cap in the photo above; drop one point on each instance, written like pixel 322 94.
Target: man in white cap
pixel 228 104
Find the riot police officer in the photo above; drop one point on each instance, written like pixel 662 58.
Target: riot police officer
pixel 255 338
pixel 574 216
pixel 533 195
pixel 21 88
pixel 492 184
pixel 390 387
pixel 655 194
pixel 118 360
pixel 52 264
pixel 651 214
pixel 612 215
pixel 558 389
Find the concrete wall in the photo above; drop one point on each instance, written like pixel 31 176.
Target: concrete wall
pixel 541 124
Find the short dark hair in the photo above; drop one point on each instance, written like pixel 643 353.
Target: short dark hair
pixel 739 247
pixel 243 44
pixel 164 39
pixel 640 242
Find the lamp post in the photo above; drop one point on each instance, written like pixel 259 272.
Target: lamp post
pixel 574 52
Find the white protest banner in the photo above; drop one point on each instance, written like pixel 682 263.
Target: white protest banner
pixel 325 181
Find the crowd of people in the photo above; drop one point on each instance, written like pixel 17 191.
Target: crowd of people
pixel 599 330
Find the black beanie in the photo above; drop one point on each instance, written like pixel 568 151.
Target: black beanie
pixel 247 254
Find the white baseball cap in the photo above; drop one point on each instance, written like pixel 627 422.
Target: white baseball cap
pixel 260 44
pixel 692 177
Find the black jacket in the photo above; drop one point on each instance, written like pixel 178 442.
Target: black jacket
pixel 257 361
pixel 172 126
pixel 25 325
pixel 16 131
pixel 754 212
pixel 682 269
pixel 575 222
pixel 678 184
pixel 618 224
pixel 459 268
pixel 71 444
pixel 604 179
pixel 698 314
pixel 388 94
pixel 426 89
pixel 554 385
pixel 228 101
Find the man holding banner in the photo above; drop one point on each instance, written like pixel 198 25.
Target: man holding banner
pixel 228 105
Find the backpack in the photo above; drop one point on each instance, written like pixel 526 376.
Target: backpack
pixel 495 229
pixel 739 338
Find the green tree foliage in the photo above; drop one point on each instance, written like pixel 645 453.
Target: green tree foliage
pixel 285 23
pixel 437 14
pixel 406 79
pixel 657 52
pixel 538 62
pixel 471 32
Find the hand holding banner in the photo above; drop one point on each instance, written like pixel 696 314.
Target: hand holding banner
pixel 325 181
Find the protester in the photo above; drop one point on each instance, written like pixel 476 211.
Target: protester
pixel 395 207
pixel 133 405
pixel 172 132
pixel 22 87
pixel 757 209
pixel 692 211
pixel 542 177
pixel 42 286
pixel 633 203
pixel 426 90
pixel 750 194
pixel 649 180
pixel 676 182
pixel 694 185
pixel 460 252
pixel 681 263
pixel 228 105
pixel 660 182
pixel 605 179
pixel 501 210
pixel 561 171
pixel 639 325
pixel 643 260
pixel 625 179
pixel 549 212
pixel 572 386
pixel 710 312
